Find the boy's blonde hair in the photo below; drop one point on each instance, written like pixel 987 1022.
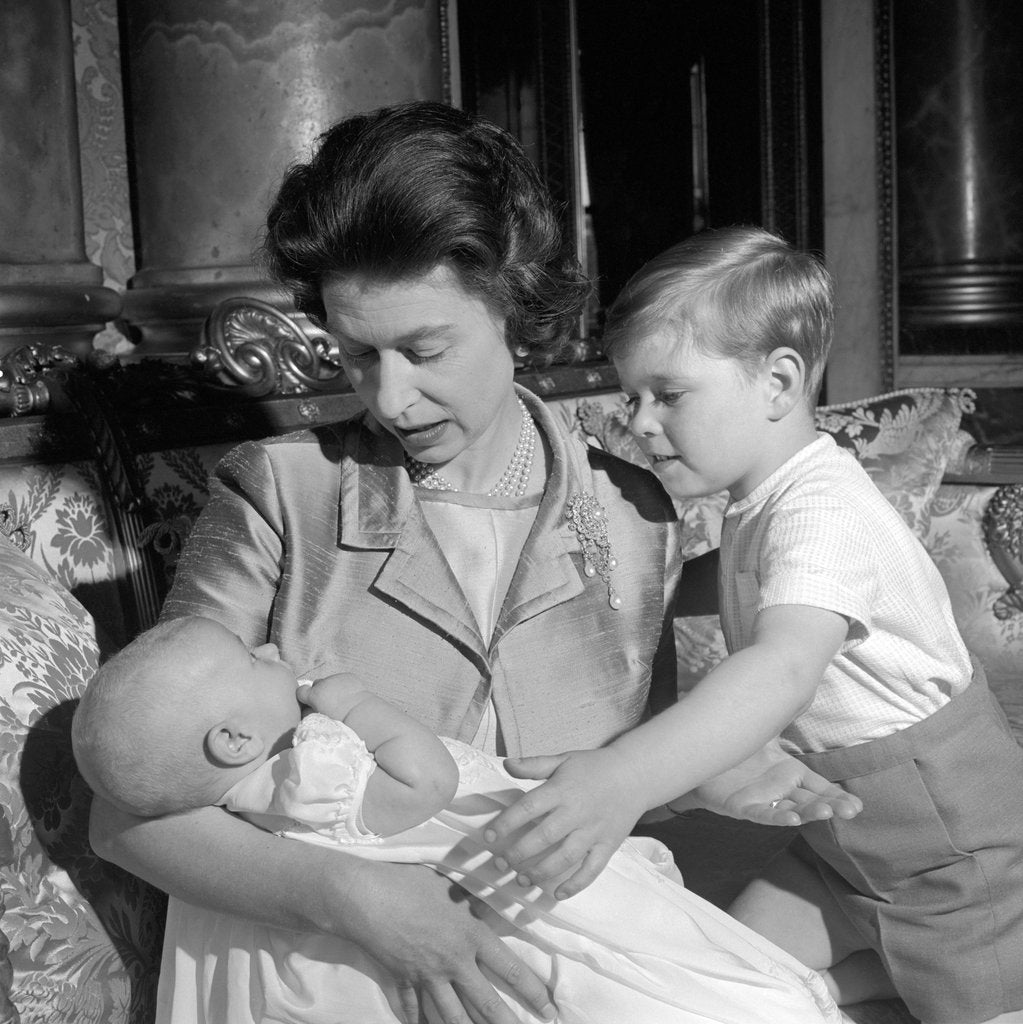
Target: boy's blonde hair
pixel 737 292
pixel 138 731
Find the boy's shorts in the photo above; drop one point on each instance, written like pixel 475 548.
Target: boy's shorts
pixel 931 871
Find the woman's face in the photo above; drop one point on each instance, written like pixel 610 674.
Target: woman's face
pixel 430 362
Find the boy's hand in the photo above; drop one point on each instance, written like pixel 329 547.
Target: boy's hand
pixel 569 827
pixel 774 788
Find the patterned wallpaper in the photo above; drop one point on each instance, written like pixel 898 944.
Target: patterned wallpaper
pixel 106 207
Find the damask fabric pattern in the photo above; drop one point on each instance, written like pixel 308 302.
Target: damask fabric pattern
pixel 58 515
pixel 955 540
pixel 83 938
pixel 55 514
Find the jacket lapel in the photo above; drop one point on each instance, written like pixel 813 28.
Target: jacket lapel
pixel 378 511
pixel 546 574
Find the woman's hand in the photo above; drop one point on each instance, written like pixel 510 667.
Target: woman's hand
pixel 569 827
pixel 422 928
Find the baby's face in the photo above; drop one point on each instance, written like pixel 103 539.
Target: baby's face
pixel 264 683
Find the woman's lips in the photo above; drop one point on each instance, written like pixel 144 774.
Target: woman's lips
pixel 422 436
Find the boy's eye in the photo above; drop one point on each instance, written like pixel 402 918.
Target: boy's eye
pixel 670 397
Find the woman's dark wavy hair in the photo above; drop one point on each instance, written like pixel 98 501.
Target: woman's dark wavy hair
pixel 399 191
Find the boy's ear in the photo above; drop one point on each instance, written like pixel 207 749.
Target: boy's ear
pixel 787 375
pixel 231 744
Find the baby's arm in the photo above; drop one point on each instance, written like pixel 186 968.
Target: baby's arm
pixel 415 775
pixel 593 798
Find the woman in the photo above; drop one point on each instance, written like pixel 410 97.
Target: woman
pixel 497 580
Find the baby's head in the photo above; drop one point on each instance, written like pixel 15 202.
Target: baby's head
pixel 739 293
pixel 176 718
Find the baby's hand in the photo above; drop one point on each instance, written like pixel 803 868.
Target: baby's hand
pixel 569 827
pixel 333 696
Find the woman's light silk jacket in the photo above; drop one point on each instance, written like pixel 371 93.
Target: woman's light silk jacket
pixel 316 541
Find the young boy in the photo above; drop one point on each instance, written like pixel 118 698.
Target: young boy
pixel 187 716
pixel 841 638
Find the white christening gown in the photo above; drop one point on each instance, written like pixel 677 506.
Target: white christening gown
pixel 635 947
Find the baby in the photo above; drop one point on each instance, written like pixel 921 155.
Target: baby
pixel 187 716
pixel 841 639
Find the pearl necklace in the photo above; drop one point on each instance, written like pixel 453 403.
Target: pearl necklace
pixel 514 480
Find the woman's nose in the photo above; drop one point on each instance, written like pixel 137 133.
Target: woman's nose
pixel 394 386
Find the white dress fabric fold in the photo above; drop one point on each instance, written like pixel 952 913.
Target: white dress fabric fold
pixel 635 947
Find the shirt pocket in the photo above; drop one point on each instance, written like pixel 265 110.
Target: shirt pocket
pixel 747 590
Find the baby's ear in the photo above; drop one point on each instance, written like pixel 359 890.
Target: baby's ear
pixel 230 744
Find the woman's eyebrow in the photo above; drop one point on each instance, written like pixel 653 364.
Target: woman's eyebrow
pixel 426 333
pixel 408 338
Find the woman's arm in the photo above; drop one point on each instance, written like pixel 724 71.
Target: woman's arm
pixel 404 915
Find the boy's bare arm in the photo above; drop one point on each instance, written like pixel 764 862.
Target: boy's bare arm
pixel 415 776
pixel 593 798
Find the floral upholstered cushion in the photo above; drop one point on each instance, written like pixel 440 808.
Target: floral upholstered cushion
pixel 82 937
pixel 905 440
pixel 59 515
pixel 991 626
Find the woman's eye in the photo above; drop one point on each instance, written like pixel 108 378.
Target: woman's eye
pixel 362 358
pixel 424 357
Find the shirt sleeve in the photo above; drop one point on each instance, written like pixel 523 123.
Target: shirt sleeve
pixel 822 556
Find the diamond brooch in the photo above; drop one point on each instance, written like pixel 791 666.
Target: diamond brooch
pixel 588 520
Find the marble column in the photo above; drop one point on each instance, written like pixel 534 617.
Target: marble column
pixel 222 98
pixel 958 81
pixel 49 292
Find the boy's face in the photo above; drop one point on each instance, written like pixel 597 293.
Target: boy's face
pixel 700 419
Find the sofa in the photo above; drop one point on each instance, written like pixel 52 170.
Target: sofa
pixel 103 466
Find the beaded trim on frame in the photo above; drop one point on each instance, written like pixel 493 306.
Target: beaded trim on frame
pixel 588 520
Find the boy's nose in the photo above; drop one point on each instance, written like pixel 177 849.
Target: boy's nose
pixel 642 424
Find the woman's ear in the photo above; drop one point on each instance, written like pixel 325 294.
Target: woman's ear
pixel 231 744
pixel 787 376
